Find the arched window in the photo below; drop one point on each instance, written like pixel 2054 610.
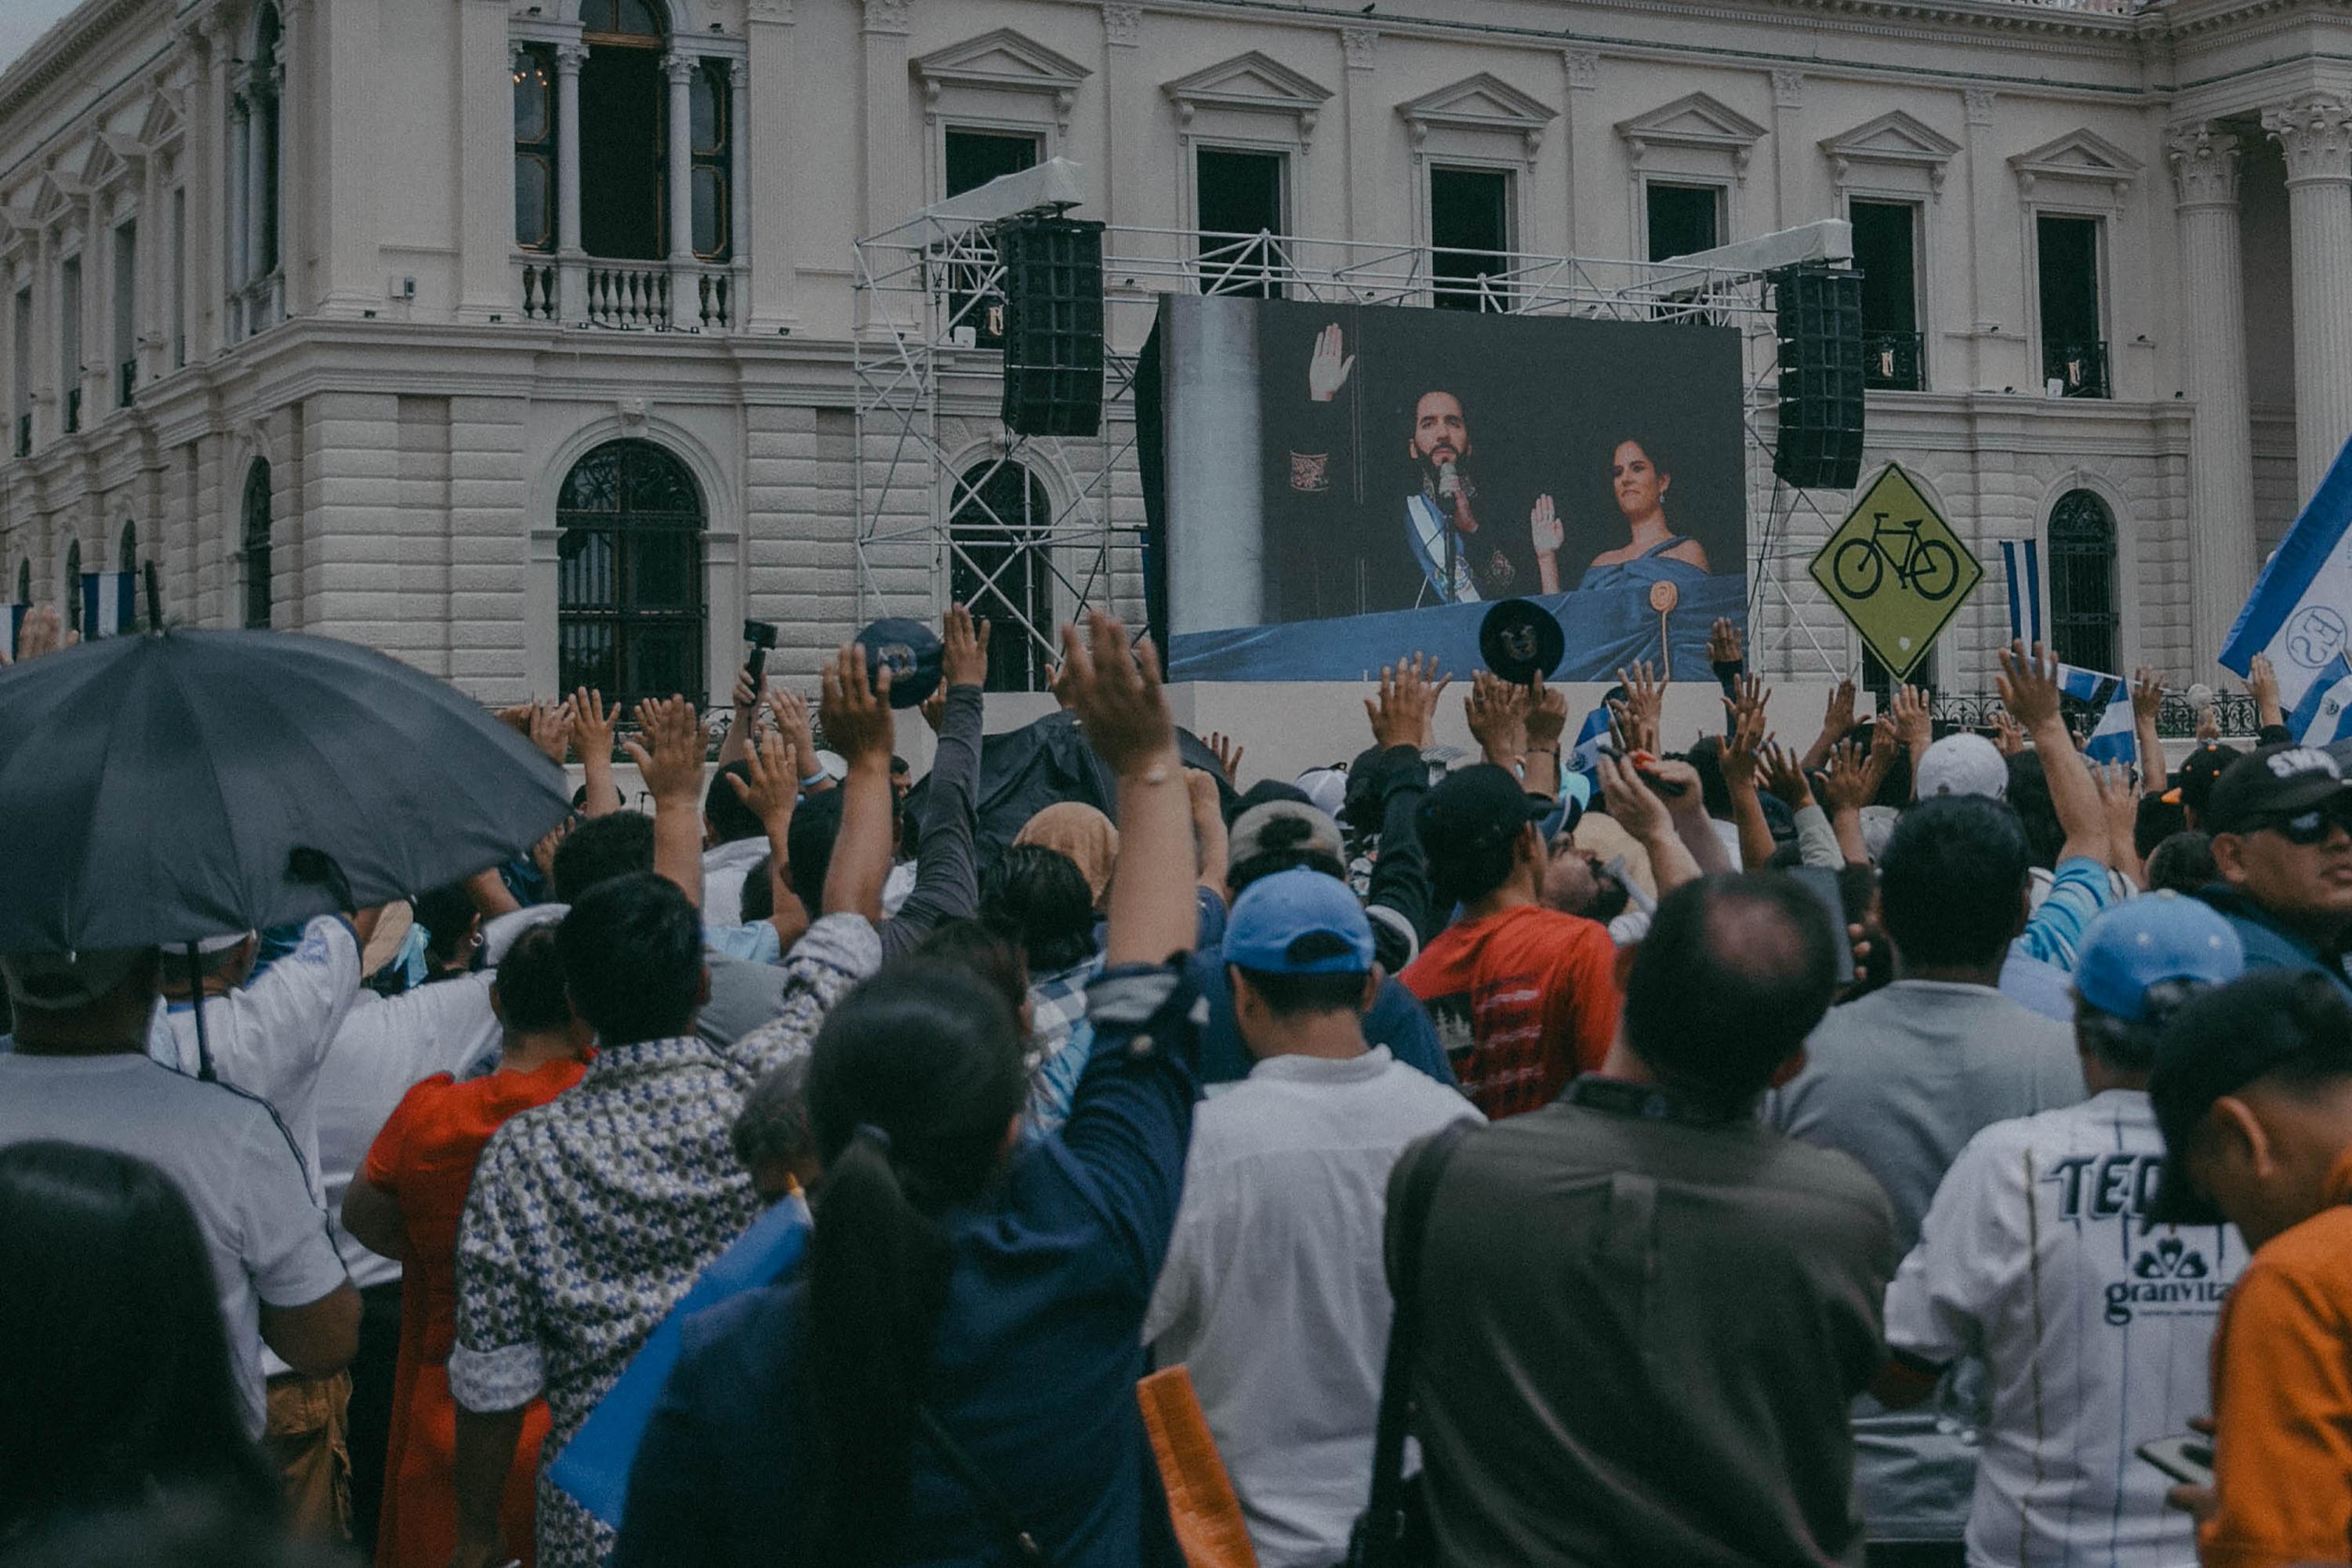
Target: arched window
pixel 126 552
pixel 1000 565
pixel 256 545
pixel 24 580
pixel 73 587
pixel 2082 618
pixel 629 594
pixel 624 130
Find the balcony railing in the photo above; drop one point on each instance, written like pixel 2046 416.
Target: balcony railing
pixel 1890 361
pixel 2075 370
pixel 126 382
pixel 629 296
pixel 73 409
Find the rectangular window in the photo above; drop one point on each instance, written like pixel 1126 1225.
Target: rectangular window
pixel 711 103
pixel 20 341
pixel 534 149
pixel 1238 207
pixel 1683 219
pixel 1469 236
pixel 69 340
pixel 974 158
pixel 1885 252
pixel 2074 348
pixel 179 262
pixel 126 312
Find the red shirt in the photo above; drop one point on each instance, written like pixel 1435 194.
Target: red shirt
pixel 1523 1000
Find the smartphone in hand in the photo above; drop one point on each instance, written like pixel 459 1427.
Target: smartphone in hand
pixel 2187 1458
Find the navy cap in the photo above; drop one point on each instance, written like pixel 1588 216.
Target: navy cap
pixel 2268 783
pixel 1473 808
pixel 910 650
pixel 1274 913
pixel 2147 941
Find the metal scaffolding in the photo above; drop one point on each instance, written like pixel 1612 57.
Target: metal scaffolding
pixel 925 292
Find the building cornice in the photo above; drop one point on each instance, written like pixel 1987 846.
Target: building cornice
pixel 64 46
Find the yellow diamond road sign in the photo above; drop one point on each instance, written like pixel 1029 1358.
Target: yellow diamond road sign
pixel 1897 571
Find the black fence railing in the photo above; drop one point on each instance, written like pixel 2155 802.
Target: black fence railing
pixel 2079 370
pixel 2176 717
pixel 1890 361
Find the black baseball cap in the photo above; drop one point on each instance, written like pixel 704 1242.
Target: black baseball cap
pixel 2269 783
pixel 1474 808
pixel 2224 1039
pixel 2193 781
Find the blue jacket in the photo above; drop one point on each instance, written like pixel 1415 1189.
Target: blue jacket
pixel 1035 1363
pixel 2270 943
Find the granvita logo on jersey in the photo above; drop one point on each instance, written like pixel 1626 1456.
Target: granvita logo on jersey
pixel 2170 1277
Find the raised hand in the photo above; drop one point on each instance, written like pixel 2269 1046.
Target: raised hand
pixel 542 854
pixel 1645 701
pixel 549 728
pixel 789 712
pixel 1547 715
pixel 964 651
pixel 2029 685
pixel 2209 724
pixel 668 750
pixel 1326 370
pixel 1723 644
pixel 1228 752
pixel 2262 684
pixel 767 786
pixel 1914 723
pixel 2006 737
pixel 746 696
pixel 1544 528
pixel 1116 693
pixel 1886 745
pixel 1743 739
pixel 592 724
pixel 855 713
pixel 2147 695
pixel 1498 717
pixel 934 708
pixel 1631 803
pixel 1784 775
pixel 1403 712
pixel 1846 783
pixel 1056 681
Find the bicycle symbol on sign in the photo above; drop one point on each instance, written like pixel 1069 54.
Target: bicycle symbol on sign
pixel 1929 567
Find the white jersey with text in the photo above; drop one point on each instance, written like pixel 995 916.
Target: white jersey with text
pixel 2094 1325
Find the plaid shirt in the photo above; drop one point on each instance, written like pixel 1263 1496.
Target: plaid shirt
pixel 1060 1041
pixel 590 1216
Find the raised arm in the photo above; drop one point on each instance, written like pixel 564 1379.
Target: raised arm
pixel 1913 726
pixel 1837 718
pixel 1210 843
pixel 592 741
pixel 947 868
pixel 668 754
pixel 739 738
pixel 2029 689
pixel 1547 717
pixel 1637 809
pixel 1124 716
pixel 1402 717
pixel 2148 697
pixel 1742 744
pixel 766 787
pixel 856 719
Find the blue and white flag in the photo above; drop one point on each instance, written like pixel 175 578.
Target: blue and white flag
pixel 2112 738
pixel 1584 756
pixel 2302 606
pixel 2324 716
pixel 110 603
pixel 12 629
pixel 2020 561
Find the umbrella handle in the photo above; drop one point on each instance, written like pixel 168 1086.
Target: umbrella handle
pixel 197 990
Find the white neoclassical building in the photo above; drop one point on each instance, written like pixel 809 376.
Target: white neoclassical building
pixel 516 338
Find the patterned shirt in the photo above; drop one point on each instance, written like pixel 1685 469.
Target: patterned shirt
pixel 1061 1041
pixel 590 1216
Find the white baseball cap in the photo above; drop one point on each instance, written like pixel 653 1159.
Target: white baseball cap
pixel 1963 765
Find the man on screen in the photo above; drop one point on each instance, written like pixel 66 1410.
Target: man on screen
pixel 1449 541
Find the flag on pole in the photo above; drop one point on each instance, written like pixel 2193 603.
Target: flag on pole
pixel 2324 714
pixel 110 603
pixel 2300 608
pixel 2020 561
pixel 2109 696
pixel 1584 756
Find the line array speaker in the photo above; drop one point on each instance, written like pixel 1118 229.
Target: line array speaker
pixel 1053 324
pixel 1818 312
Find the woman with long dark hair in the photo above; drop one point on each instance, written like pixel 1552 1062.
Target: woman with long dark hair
pixel 117 1383
pixel 1640 475
pixel 952 1377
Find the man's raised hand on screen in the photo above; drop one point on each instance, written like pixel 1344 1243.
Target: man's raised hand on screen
pixel 1326 370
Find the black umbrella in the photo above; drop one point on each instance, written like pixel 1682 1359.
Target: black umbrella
pixel 159 788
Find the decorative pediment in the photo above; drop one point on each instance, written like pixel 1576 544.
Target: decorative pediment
pixel 163 123
pixel 1893 140
pixel 1694 120
pixel 58 196
pixel 1254 83
pixel 1002 62
pixel 2079 157
pixel 1480 103
pixel 112 157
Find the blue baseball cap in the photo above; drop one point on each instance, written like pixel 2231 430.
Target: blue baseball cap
pixel 2146 941
pixel 1274 913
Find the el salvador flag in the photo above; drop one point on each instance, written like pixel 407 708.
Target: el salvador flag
pixel 2324 714
pixel 1584 757
pixel 2112 738
pixel 110 603
pixel 2020 561
pixel 2302 606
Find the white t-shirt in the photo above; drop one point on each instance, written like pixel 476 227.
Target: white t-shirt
pixel 385 1045
pixel 722 878
pixel 2094 1327
pixel 230 1155
pixel 269 1037
pixel 1274 1294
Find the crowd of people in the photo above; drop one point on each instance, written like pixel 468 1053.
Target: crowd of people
pixel 1911 1148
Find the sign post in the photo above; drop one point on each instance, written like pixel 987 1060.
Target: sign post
pixel 1896 571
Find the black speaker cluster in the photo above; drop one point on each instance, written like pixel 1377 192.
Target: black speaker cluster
pixel 1053 324
pixel 1817 314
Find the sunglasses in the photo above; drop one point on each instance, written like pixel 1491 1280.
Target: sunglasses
pixel 2305 829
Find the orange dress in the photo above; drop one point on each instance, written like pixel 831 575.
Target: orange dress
pixel 425 1160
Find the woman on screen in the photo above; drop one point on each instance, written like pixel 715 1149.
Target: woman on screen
pixel 1641 478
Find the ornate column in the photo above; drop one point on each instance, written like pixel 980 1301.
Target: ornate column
pixel 738 191
pixel 2213 336
pixel 572 292
pixel 256 197
pixel 685 307
pixel 292 290
pixel 233 230
pixel 2315 134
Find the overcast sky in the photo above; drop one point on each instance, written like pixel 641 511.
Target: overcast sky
pixel 22 21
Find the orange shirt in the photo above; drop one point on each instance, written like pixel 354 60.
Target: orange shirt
pixel 1523 999
pixel 2283 1399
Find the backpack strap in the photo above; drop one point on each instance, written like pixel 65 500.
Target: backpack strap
pixel 1408 1220
pixel 1008 1523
